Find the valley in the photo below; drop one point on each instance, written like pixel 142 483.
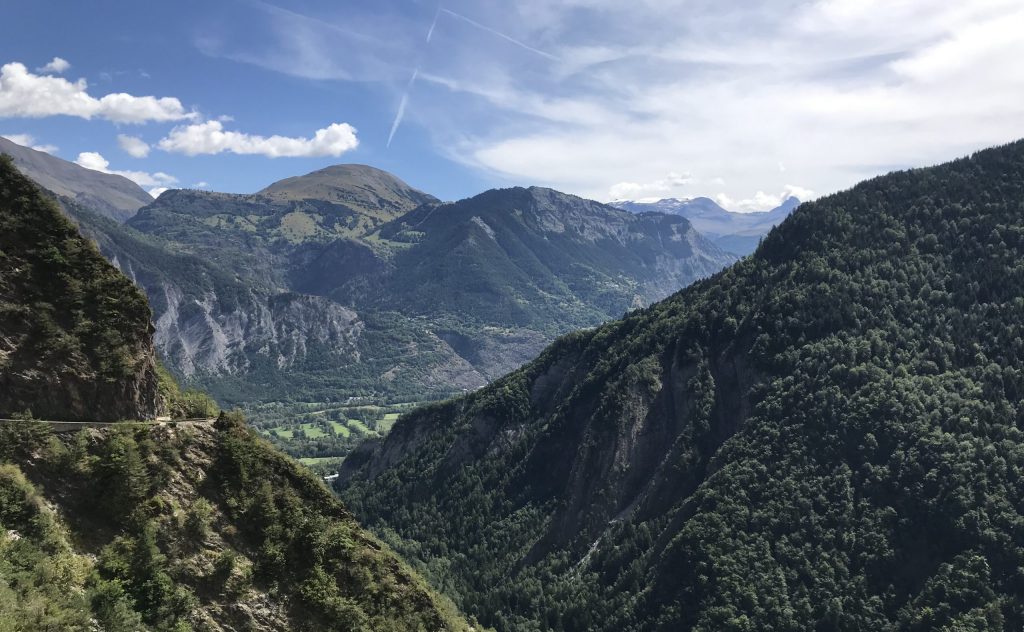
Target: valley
pixel 348 285
pixel 784 440
pixel 542 316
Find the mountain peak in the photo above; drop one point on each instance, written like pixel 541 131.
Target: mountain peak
pixel 365 189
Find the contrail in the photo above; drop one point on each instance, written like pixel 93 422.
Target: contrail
pixel 401 106
pixel 408 88
pixel 459 16
pixel 433 24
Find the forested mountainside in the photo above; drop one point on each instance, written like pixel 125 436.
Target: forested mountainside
pixel 109 194
pixel 75 334
pixel 188 527
pixel 827 435
pixel 145 526
pixel 537 258
pixel 738 233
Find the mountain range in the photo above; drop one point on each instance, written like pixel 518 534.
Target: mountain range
pixel 825 435
pixel 738 233
pixel 347 282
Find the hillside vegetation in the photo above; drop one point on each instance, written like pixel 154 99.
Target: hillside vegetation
pixel 75 334
pixel 827 435
pixel 145 526
pixel 188 527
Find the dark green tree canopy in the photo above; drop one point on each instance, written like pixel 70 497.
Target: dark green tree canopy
pixel 827 435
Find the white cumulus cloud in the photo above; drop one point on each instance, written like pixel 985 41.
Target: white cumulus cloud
pixel 56 66
pixel 211 138
pixel 133 145
pixel 648 190
pixel 24 94
pixel 762 201
pixel 27 140
pixel 157 182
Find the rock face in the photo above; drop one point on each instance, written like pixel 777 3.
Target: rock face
pixel 75 335
pixel 826 435
pixel 233 329
pixel 111 195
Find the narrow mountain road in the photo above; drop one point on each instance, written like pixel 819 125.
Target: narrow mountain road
pixel 74 426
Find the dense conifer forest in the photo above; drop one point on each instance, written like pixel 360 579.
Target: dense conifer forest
pixel 827 435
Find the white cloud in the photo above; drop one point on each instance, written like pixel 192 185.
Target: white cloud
pixel 133 145
pixel 762 201
pixel 201 185
pixel 57 66
pixel 747 96
pixel 96 162
pixel 657 189
pixel 157 191
pixel 211 138
pixel 822 92
pixel 27 140
pixel 24 94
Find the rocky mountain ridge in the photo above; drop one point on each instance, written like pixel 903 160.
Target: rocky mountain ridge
pixel 348 282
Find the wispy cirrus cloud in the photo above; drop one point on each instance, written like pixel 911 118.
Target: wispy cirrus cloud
pixel 605 98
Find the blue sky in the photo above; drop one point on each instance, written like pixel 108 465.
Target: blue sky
pixel 742 101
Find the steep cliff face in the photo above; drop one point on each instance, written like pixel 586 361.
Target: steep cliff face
pixel 75 335
pixel 826 435
pixel 284 329
pixel 235 331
